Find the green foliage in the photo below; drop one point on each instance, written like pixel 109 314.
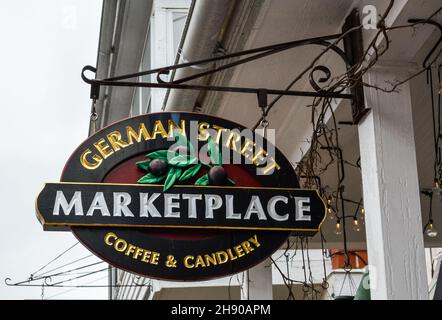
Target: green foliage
pixel 190 172
pixel 173 174
pixel 202 181
pixel 181 167
pixel 150 178
pixel 144 164
pixel 214 152
pixel 182 161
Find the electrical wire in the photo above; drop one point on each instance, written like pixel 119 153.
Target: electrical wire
pixel 79 277
pixel 72 289
pixel 56 258
pixel 65 265
pixel 51 275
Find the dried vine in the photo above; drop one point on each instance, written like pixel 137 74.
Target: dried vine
pixel 325 133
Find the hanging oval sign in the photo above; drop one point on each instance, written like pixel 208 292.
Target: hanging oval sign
pixel 179 196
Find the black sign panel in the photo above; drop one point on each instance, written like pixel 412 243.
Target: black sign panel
pixel 131 206
pixel 130 198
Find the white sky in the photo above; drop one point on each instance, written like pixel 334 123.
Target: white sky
pixel 44 116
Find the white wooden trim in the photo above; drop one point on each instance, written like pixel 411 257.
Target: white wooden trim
pixel 391 193
pixel 257 283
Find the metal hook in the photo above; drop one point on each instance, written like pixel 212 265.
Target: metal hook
pixel 262 104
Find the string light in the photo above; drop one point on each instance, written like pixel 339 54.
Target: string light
pixel 431 230
pixel 338 228
pixel 436 186
pixel 362 215
pixel 330 213
pixel 329 201
pixel 356 225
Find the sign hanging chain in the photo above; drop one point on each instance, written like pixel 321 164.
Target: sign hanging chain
pixel 94 95
pixel 94 117
pixel 262 103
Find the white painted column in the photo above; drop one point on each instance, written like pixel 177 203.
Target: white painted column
pixel 258 282
pixel 391 192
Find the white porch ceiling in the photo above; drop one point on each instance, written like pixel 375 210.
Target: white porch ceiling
pixel 285 20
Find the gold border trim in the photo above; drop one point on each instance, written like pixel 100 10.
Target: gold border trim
pixel 184 186
pixel 171 226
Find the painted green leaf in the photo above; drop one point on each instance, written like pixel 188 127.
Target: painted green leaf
pixel 144 164
pixel 172 176
pixel 150 178
pixel 182 161
pixel 231 181
pixel 202 181
pixel 190 172
pixel 214 152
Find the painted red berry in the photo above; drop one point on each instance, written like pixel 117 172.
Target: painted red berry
pixel 158 167
pixel 217 176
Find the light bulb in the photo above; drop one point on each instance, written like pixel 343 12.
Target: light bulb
pixel 338 228
pixel 329 200
pixel 362 215
pixel 431 230
pixel 356 226
pixel 436 186
pixel 330 213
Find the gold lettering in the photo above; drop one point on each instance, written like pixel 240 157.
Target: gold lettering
pixel 90 165
pixel 203 133
pixel 155 257
pixel 172 125
pixel 146 256
pixel 270 167
pixel 186 262
pixel 210 259
pixel 137 253
pixel 158 129
pixel 115 140
pixel 222 257
pixel 130 249
pixel 254 240
pixel 103 147
pixel 247 147
pixel 247 247
pixel 120 245
pixel 199 262
pixel 238 250
pixel 232 140
pixel 218 132
pixel 260 155
pixel 231 256
pixel 108 236
pixel 133 135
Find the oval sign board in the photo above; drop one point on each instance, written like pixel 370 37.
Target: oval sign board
pixel 179 196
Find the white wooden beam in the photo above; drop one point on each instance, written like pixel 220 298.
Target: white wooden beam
pixel 391 192
pixel 257 283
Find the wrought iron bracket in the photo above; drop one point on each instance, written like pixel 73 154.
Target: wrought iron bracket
pixel 353 46
pixel 352 42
